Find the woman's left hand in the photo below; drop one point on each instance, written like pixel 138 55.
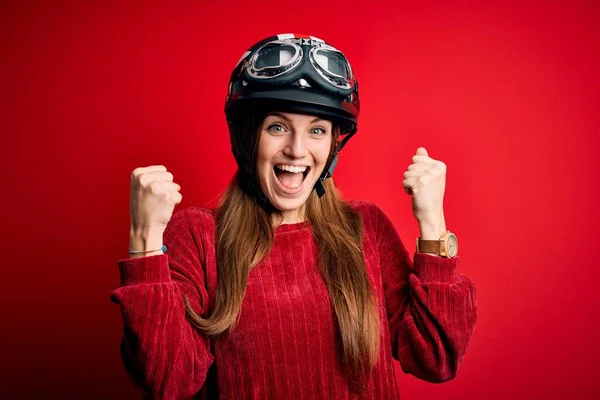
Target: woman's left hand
pixel 425 180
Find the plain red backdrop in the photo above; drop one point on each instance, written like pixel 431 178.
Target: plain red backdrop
pixel 506 95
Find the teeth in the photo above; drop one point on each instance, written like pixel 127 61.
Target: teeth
pixel 290 168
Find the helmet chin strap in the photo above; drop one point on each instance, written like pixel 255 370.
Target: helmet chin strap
pixel 319 187
pixel 328 172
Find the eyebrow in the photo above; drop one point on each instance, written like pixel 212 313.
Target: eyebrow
pixel 276 114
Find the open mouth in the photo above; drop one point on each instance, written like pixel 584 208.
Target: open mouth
pixel 291 178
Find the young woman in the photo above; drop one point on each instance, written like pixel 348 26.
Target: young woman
pixel 285 290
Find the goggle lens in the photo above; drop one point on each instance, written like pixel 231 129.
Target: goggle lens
pixel 333 62
pixel 274 56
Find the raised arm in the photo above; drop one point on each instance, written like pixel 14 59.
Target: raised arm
pixel 160 349
pixel 431 308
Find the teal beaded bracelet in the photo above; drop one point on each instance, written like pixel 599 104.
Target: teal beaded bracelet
pixel 163 248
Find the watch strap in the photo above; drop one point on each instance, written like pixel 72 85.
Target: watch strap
pixel 428 246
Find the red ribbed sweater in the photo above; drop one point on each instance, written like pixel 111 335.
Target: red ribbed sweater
pixel 285 344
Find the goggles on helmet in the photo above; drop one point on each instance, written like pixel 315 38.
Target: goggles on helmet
pixel 285 61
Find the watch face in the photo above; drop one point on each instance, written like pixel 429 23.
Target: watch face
pixel 452 246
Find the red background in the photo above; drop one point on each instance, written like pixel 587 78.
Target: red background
pixel 506 95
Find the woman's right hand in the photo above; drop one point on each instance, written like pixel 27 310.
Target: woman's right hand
pixel 153 198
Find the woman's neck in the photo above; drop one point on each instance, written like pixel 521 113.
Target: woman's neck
pixel 289 217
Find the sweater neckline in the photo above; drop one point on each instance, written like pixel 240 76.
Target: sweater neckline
pixel 292 227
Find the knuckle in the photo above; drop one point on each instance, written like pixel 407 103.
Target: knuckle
pixel 136 172
pixel 143 179
pixel 154 187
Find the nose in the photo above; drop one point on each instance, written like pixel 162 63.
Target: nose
pixel 296 146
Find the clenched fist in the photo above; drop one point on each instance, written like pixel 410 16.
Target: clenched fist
pixel 425 181
pixel 153 198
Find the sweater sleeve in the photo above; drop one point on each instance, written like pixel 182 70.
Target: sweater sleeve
pixel 431 308
pixel 161 351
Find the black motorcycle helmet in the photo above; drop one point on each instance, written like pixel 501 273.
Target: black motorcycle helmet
pixel 294 73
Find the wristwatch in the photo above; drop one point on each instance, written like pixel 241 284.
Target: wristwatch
pixel 446 246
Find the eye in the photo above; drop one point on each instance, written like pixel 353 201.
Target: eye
pixel 316 129
pixel 276 125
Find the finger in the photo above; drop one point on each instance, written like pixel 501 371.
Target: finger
pixel 419 158
pixel 176 197
pixel 419 166
pixel 171 186
pixel 164 188
pixel 158 167
pixel 141 170
pixel 164 196
pixel 163 176
pixel 415 173
pixel 422 151
pixel 408 184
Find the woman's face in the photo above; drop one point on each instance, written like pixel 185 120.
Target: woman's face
pixel 292 152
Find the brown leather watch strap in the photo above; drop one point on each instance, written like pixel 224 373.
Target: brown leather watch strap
pixel 428 246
